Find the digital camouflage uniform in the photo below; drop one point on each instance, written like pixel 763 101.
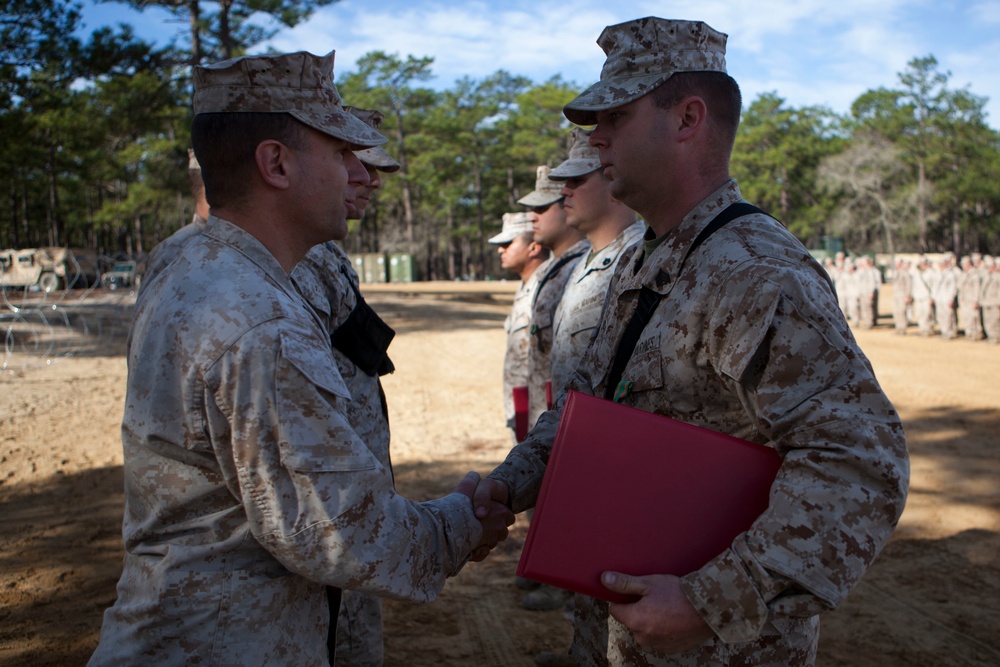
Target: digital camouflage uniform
pixel 169 248
pixel 945 296
pixel 517 326
pixel 580 307
pixel 749 341
pixel 247 489
pixel 970 286
pixel 990 301
pixel 329 283
pixel 923 306
pixel 902 297
pixel 552 278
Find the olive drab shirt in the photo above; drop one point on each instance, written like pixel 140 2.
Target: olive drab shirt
pixel 247 491
pixel 749 340
pixel 580 307
pixel 554 274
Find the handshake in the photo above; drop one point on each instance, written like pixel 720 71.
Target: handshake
pixel 489 501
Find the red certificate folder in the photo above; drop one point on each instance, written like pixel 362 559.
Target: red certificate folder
pixel 639 493
pixel 520 412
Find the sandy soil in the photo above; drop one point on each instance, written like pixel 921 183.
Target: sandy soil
pixel 932 598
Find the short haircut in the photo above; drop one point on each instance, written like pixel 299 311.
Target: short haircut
pixel 225 145
pixel 721 94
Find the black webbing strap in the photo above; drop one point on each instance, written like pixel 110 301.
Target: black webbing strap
pixel 333 601
pixel 649 300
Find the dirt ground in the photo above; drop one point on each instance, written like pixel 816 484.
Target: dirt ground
pixel 932 598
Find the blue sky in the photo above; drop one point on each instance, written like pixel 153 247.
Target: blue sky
pixel 810 52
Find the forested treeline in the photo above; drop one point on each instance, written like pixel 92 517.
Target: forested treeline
pixel 94 137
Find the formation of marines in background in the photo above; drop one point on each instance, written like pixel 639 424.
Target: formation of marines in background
pixel 943 297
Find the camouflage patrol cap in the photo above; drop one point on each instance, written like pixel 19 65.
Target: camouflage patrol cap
pixel 546 190
pixel 583 158
pixel 642 54
pixel 300 84
pixel 373 157
pixel 514 224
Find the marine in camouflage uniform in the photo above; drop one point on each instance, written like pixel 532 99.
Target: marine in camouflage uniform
pixel 970 286
pixel 520 254
pixel 329 282
pixel 610 227
pixel 945 297
pixel 747 339
pixel 923 303
pixel 902 296
pixel 568 247
pixel 990 300
pixel 250 498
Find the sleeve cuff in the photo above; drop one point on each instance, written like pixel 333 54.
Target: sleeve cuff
pixel 725 596
pixel 463 531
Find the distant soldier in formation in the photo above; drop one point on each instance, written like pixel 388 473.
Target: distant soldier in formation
pixel 902 296
pixel 521 255
pixel 923 306
pixel 868 279
pixel 970 287
pixel 990 300
pixel 850 286
pixel 945 296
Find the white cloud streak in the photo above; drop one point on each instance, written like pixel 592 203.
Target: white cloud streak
pixel 811 52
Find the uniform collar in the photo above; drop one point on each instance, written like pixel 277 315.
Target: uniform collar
pixel 660 269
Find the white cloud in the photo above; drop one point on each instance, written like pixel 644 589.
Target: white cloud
pixel 811 52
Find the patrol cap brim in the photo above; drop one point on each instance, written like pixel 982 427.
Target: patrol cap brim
pixel 378 158
pixel 539 198
pixel 574 168
pixel 605 95
pixel 503 237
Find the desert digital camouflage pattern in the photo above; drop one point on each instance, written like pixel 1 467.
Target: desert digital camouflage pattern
pixel 642 54
pixel 168 250
pixel 247 489
pixel 325 277
pixel 546 190
pixel 374 157
pixel 553 276
pixel 517 326
pixel 583 158
pixel 749 340
pixel 990 301
pixel 300 84
pixel 580 307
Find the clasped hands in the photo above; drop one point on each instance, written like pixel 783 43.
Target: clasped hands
pixel 489 501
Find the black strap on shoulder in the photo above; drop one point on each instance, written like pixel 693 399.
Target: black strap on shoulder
pixel 649 300
pixel 557 266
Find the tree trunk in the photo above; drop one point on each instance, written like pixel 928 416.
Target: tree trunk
pixel 53 200
pixel 225 38
pixel 196 53
pixel 404 173
pixel 922 205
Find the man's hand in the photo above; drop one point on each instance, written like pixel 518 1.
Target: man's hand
pixel 662 619
pixel 493 514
